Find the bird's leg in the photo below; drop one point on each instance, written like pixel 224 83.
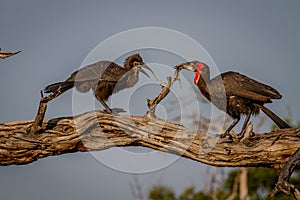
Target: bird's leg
pixel 241 135
pixel 109 110
pixel 236 120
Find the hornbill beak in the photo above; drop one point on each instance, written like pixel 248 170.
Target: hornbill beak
pixel 148 68
pixel 187 66
pixel 143 71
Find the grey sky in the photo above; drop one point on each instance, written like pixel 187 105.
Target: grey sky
pixel 257 38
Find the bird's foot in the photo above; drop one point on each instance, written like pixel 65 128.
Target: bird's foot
pixel 114 111
pixel 231 136
pixel 225 134
pixel 241 134
pixel 246 133
pixel 107 111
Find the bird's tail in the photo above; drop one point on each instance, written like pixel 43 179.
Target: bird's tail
pixel 64 86
pixel 280 123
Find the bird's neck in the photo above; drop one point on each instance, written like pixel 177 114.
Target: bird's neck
pixel 202 83
pixel 127 66
pixel 133 77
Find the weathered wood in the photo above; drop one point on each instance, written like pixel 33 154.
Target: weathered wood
pixel 152 103
pixel 286 171
pixel 38 122
pixel 97 131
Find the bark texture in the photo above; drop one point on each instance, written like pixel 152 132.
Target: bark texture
pixel 96 130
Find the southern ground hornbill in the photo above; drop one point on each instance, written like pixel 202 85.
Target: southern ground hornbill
pixel 235 94
pixel 104 78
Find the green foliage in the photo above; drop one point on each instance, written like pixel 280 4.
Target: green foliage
pixel 190 194
pixel 166 193
pixel 161 192
pixel 261 181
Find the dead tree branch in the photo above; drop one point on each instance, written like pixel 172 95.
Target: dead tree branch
pixel 42 111
pixel 235 187
pixel 98 131
pixel 286 171
pixel 152 103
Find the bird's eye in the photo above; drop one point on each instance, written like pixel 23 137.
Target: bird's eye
pixel 136 63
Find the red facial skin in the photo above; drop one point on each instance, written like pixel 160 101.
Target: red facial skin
pixel 199 67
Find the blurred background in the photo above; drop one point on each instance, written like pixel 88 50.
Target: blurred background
pixel 257 38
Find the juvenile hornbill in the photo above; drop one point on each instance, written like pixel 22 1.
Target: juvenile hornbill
pixel 104 78
pixel 234 93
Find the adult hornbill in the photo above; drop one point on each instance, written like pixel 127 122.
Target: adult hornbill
pixel 234 93
pixel 104 78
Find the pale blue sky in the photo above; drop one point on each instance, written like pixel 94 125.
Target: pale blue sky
pixel 257 38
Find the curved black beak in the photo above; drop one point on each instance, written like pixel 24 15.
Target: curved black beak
pixel 148 68
pixel 143 71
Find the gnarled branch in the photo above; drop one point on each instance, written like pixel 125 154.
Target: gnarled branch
pixel 97 131
pixel 286 171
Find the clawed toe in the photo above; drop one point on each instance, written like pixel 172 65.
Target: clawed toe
pixel 241 134
pixel 226 135
pixel 223 135
pixel 231 136
pixel 117 110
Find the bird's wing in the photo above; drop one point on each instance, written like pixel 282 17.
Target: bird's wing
pixel 243 86
pixel 251 95
pixel 102 70
pixel 260 88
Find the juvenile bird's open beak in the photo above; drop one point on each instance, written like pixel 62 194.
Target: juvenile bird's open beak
pixel 148 68
pixel 187 66
pixel 143 71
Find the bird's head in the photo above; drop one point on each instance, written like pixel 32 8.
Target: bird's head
pixel 136 62
pixel 195 66
pixel 132 61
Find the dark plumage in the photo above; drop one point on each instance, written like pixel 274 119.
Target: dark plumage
pixel 234 93
pixel 104 78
